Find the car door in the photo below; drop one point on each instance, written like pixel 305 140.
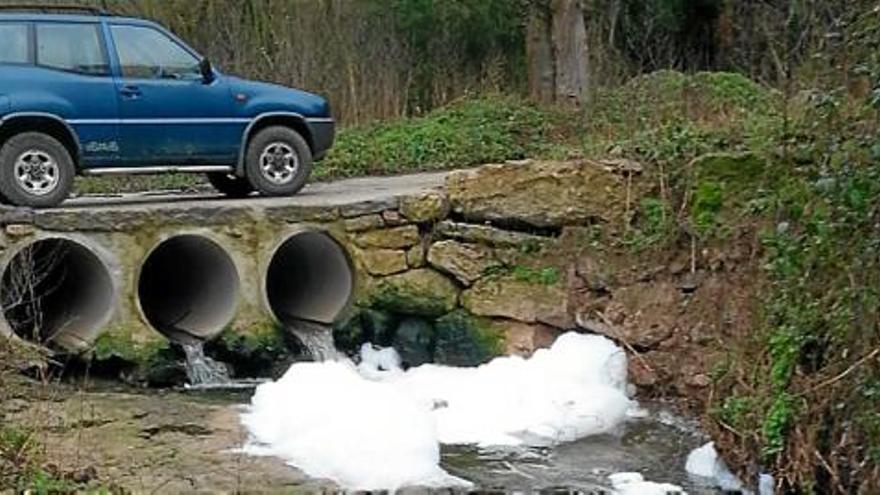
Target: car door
pixel 169 115
pixel 72 80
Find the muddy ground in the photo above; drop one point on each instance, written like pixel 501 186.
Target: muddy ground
pixel 156 442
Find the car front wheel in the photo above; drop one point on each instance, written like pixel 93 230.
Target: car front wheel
pixel 278 161
pixel 35 170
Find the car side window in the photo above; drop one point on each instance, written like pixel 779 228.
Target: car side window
pixel 145 53
pixel 71 47
pixel 14 48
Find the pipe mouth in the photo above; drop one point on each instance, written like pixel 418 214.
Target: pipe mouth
pixel 310 277
pixel 188 288
pixel 57 291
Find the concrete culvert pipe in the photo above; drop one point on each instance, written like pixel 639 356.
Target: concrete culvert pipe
pixel 309 277
pixel 188 288
pixel 57 291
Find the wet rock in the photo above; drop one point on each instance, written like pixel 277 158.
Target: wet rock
pixel 421 292
pixel 508 297
pixel 540 194
pixel 349 335
pixel 414 341
pixel 523 339
pixel 431 206
pixel 381 262
pixel 466 340
pixel 366 222
pixel 493 236
pixel 415 257
pixel 378 326
pixel 466 262
pixel 393 238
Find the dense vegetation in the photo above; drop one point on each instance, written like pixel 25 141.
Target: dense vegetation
pixel 799 394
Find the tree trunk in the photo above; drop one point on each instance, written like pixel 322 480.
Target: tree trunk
pixel 556 50
pixel 539 53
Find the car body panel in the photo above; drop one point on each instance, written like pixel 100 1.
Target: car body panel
pixel 169 122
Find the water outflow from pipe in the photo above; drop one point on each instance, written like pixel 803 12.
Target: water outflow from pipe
pixel 57 291
pixel 316 339
pixel 202 371
pixel 309 283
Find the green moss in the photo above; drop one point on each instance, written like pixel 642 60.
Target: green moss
pixel 463 339
pixel 538 276
pixel 708 202
pixel 118 343
pixel 421 292
pixel 252 352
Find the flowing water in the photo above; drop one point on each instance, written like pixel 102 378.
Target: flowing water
pixel 202 371
pixel 656 446
pixel 316 339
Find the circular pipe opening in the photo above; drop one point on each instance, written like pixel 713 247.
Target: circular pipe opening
pixel 310 277
pixel 57 291
pixel 188 288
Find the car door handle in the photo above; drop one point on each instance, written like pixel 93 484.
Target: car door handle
pixel 132 92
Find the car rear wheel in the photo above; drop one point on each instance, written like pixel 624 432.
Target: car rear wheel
pixel 35 170
pixel 278 161
pixel 230 185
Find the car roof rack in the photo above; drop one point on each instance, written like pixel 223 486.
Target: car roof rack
pixel 53 8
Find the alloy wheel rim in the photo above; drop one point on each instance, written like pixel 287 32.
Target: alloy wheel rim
pixel 279 163
pixel 36 172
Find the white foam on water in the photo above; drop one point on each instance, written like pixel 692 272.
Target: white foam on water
pixel 376 426
pixel 704 462
pixel 635 484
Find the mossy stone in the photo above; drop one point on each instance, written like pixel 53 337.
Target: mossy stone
pixel 414 341
pixel 463 339
pixel 349 335
pixel 378 327
pixel 421 292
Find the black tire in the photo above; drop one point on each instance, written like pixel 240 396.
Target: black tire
pixel 43 146
pixel 283 138
pixel 230 185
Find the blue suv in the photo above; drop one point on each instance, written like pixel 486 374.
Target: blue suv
pixel 91 93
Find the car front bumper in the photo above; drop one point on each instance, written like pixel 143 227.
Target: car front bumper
pixel 323 136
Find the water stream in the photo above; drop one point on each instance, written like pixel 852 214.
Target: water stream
pixel 202 371
pixel 316 339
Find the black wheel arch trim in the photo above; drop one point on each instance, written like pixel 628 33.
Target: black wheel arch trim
pixel 246 135
pixel 77 159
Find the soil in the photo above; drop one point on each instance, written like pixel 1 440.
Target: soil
pixel 159 442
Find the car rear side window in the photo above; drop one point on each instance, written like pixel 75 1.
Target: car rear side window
pixel 71 47
pixel 14 45
pixel 145 53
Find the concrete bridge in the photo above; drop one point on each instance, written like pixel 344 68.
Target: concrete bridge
pixel 190 266
pixel 143 269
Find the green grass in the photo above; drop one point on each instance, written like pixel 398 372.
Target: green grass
pixel 469 132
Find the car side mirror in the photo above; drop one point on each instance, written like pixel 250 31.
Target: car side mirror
pixel 207 71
